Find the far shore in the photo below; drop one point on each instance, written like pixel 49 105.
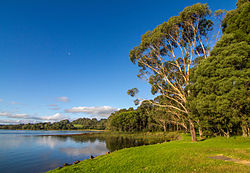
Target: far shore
pixel 92 130
pixel 77 134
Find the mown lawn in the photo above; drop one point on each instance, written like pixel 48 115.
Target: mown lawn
pixel 175 156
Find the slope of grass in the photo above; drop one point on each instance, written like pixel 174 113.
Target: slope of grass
pixel 175 156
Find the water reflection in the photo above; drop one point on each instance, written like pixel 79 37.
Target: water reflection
pixel 49 141
pixel 30 152
pixel 112 143
pixel 95 148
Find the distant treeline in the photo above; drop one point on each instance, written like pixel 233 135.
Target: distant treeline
pixel 81 123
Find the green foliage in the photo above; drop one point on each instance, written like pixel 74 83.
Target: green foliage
pixel 132 92
pixel 241 2
pixel 130 121
pixel 220 89
pixel 147 117
pixel 109 126
pixel 87 123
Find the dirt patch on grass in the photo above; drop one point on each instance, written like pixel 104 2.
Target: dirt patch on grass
pixel 221 157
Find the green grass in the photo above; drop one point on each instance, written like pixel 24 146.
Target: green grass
pixel 78 125
pixel 175 156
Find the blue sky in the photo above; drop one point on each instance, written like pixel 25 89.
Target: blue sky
pixel 60 56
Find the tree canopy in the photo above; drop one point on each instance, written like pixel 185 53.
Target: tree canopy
pixel 220 83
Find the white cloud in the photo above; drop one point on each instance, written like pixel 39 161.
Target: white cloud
pixel 63 99
pixel 5 114
pixel 17 121
pixel 55 117
pixel 101 111
pixel 14 103
pixel 1 100
pixel 10 115
pixel 20 116
pixel 54 107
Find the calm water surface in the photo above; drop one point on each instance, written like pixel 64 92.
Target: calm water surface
pixel 27 151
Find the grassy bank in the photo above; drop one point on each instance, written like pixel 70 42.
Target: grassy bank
pixel 175 156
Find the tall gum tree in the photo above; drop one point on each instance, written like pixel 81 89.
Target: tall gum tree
pixel 166 54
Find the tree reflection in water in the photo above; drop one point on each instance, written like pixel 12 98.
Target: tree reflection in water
pixel 113 142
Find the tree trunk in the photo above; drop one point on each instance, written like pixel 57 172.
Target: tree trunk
pixel 192 131
pixel 226 134
pixel 200 129
pixel 244 130
pixel 164 127
pixel 200 132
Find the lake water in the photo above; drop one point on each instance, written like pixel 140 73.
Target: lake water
pixel 27 151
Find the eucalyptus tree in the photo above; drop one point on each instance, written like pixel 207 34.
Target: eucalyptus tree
pixel 165 57
pixel 161 117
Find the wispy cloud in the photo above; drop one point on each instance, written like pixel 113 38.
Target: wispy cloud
pixel 14 103
pixel 53 107
pixel 5 114
pixel 54 117
pixel 101 111
pixel 17 121
pixel 25 116
pixel 11 115
pixel 63 99
pixel 1 100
